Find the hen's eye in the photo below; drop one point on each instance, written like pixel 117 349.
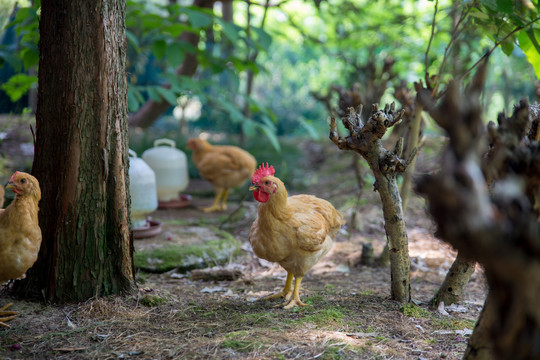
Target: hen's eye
pixel 23 181
pixel 266 182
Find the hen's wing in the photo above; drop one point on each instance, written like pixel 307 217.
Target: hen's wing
pixel 316 219
pixel 312 232
pixel 225 162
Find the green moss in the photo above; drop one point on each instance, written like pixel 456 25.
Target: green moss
pixel 330 289
pixel 260 319
pixel 454 324
pixel 338 351
pixel 237 340
pixel 151 300
pixel 278 356
pixel 325 317
pixel 187 257
pixel 237 334
pixel 241 346
pixel 314 299
pixel 411 310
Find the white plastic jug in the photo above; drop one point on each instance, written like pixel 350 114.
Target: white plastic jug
pixel 142 187
pixel 170 166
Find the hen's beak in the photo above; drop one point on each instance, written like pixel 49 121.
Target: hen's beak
pixel 254 187
pixel 11 186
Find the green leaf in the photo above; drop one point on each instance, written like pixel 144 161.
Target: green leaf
pixel 175 54
pixel 133 103
pixel 271 135
pixel 530 51
pixel 264 40
pixel 249 127
pixel 234 113
pixel 174 30
pixel 198 19
pixel 533 34
pixel 151 21
pixel 153 93
pixel 310 129
pixel 158 48
pixel 167 94
pixel 507 47
pixel 505 6
pixel 23 14
pixel 30 57
pixel 18 85
pixel 268 122
pixel 10 58
pixel 230 30
pixel 132 39
pixel 478 14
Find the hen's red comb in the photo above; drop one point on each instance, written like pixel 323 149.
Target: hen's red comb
pixel 13 176
pixel 263 171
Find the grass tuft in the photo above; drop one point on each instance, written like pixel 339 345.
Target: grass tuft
pixel 411 310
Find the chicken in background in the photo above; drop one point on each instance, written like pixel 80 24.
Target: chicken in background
pixel 296 231
pixel 224 166
pixel 20 234
pixel 2 193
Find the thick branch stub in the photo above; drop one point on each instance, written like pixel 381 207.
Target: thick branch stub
pixel 398 149
pixel 341 142
pixel 391 164
pixel 365 138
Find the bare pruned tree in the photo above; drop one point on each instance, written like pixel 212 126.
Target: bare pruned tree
pixel 497 228
pixel 365 139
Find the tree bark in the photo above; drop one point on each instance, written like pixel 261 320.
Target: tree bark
pixel 500 230
pixel 479 346
pixel 81 154
pixel 365 139
pixel 151 110
pixel 455 281
pixel 412 143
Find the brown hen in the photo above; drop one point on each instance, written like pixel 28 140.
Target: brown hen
pixel 296 231
pixel 20 235
pixel 224 166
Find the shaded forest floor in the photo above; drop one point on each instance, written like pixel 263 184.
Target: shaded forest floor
pixel 351 315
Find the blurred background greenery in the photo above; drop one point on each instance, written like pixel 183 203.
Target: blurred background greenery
pixel 270 73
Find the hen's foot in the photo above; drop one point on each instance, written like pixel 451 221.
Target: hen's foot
pixel 6 315
pixel 294 302
pixel 279 295
pixel 212 208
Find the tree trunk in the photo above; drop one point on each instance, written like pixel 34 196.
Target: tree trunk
pixel 81 154
pixel 152 110
pixel 499 229
pixel 455 281
pixel 365 139
pixel 412 143
pixel 396 232
pixel 480 346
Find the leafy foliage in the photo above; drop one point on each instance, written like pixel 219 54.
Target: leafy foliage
pixel 303 48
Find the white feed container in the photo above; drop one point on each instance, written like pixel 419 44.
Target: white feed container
pixel 170 166
pixel 142 187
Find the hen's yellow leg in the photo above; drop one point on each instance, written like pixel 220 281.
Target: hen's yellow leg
pixel 224 197
pixel 6 315
pixel 295 300
pixel 215 206
pixel 287 290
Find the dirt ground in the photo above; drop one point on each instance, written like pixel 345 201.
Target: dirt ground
pixel 350 313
